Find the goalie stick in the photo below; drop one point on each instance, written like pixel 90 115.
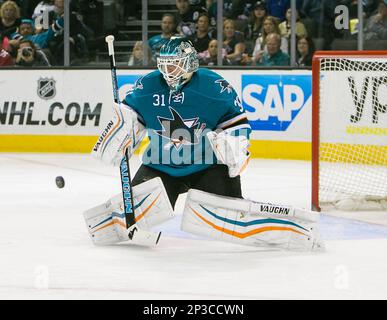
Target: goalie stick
pixel 135 234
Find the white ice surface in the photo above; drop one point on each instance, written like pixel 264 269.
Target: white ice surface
pixel 45 251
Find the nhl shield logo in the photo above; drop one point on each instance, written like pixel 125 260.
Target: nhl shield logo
pixel 46 88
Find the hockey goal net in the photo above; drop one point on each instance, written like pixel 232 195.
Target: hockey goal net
pixel 349 130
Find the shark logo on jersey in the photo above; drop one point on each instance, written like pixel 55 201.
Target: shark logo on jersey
pixel 224 85
pixel 180 131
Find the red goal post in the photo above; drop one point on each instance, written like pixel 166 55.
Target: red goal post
pixel 349 128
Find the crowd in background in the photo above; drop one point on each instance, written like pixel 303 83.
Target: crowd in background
pixel 32 31
pixel 255 33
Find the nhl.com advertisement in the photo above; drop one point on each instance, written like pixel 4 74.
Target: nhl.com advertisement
pixel 78 102
pixel 53 102
pixel 71 114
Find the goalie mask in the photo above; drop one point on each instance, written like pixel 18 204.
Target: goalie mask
pixel 176 61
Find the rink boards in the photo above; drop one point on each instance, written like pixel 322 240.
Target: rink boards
pixel 64 110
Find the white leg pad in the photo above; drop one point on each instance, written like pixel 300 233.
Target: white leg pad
pixel 103 228
pixel 250 223
pixel 106 222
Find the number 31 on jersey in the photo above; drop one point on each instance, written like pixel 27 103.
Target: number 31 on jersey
pixel 159 100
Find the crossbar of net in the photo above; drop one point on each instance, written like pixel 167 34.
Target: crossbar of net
pixel 342 64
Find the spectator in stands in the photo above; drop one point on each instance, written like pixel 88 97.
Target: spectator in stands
pixel 320 19
pixel 203 35
pixel 77 24
pixel 278 8
pixel 187 17
pixel 233 42
pixel 23 6
pixel 80 35
pixel 137 57
pixel 285 26
pixel 210 56
pixel 9 18
pixel 270 25
pixel 168 29
pixel 274 55
pixel 128 10
pixel 92 15
pixel 255 26
pixel 233 9
pixel 5 58
pixel 376 28
pixel 28 55
pixel 198 3
pixel 26 30
pixel 227 10
pixel 243 8
pixel 45 5
pixel 305 50
pixel 369 7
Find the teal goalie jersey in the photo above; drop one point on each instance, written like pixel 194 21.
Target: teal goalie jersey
pixel 177 122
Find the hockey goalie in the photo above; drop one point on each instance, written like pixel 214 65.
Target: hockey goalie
pixel 198 143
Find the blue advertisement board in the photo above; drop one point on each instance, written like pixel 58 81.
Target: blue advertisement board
pixel 123 79
pixel 273 101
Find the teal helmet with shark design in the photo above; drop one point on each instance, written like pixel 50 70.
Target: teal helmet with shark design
pixel 177 59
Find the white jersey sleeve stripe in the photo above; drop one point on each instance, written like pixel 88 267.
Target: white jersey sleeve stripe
pixel 229 122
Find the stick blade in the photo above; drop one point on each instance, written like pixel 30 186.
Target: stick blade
pixel 143 237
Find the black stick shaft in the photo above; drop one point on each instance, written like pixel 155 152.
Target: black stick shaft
pixel 126 184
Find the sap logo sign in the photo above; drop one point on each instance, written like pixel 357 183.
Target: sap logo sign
pixel 125 84
pixel 272 102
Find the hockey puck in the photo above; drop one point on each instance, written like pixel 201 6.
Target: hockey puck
pixel 59 182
